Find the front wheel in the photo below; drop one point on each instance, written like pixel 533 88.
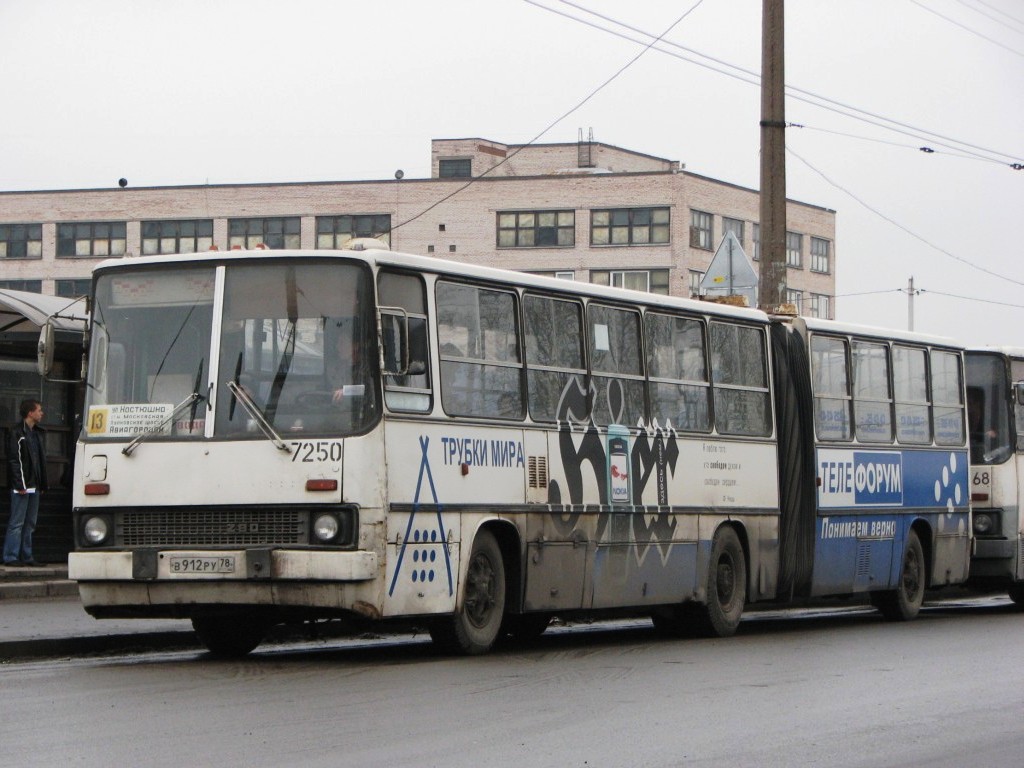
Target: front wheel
pixel 474 627
pixel 904 602
pixel 229 637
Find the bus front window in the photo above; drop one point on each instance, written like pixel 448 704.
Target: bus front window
pixel 988 418
pixel 299 339
pixel 150 353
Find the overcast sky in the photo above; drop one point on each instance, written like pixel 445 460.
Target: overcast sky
pixel 223 91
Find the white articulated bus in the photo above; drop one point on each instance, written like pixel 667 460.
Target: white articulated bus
pixel 995 399
pixel 281 436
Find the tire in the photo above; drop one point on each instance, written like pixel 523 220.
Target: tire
pixel 1016 592
pixel 904 602
pixel 230 636
pixel 474 626
pixel 726 596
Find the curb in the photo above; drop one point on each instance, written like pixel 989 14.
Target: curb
pixel 41 648
pixel 34 590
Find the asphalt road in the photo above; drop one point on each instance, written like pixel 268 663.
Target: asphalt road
pixel 805 688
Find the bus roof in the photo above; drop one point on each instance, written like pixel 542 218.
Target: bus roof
pixel 454 268
pixel 1017 352
pixel 814 324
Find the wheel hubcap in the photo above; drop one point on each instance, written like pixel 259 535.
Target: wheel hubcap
pixel 480 591
pixel 911 575
pixel 725 581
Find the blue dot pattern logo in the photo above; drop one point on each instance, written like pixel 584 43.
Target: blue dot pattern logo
pixel 424 537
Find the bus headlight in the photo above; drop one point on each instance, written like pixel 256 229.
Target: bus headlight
pixel 983 523
pixel 325 528
pixel 95 530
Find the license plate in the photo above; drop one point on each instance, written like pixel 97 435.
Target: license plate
pixel 197 565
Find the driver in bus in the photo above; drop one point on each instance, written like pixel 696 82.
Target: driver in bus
pixel 348 372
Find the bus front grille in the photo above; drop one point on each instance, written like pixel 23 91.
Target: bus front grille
pixel 213 527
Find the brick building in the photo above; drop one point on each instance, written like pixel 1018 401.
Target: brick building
pixel 584 211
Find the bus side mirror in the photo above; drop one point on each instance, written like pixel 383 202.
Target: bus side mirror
pixel 1018 389
pixel 45 349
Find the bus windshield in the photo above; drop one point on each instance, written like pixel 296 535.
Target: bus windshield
pixel 296 343
pixel 987 409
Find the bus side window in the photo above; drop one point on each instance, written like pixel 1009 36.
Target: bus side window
pixel 410 391
pixel 487 379
pixel 830 382
pixel 910 378
pixel 947 398
pixel 554 355
pixel 679 387
pixel 739 374
pixel 615 365
pixel 872 396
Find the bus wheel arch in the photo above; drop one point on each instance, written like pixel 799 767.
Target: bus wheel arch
pixel 480 609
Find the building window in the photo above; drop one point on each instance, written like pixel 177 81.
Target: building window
pixel 455 169
pixel 70 289
pixel 629 226
pixel 736 226
pixel 275 232
pixel 567 275
pixel 819 255
pixel 695 277
pixel 757 242
pixel 796 298
pixel 700 229
pixel 335 231
pixel 821 306
pixel 649 281
pixel 794 249
pixel 91 239
pixel 21 241
pixel 31 286
pixel 536 229
pixel 187 236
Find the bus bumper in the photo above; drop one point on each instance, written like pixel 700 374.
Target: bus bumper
pixel 246 564
pixel 1001 549
pixel 294 583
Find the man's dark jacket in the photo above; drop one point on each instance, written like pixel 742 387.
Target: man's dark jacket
pixel 26 470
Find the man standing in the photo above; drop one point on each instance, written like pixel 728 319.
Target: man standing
pixel 27 474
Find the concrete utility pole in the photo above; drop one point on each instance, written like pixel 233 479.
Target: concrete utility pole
pixel 772 277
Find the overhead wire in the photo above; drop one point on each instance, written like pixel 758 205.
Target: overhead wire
pixel 799 94
pixel 925 149
pixel 536 138
pixel 956 23
pixel 992 17
pixel 899 226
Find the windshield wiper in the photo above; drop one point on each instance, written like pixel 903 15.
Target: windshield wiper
pixel 253 410
pixel 195 397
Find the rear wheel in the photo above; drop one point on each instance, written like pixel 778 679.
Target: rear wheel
pixel 904 602
pixel 727 586
pixel 231 636
pixel 474 627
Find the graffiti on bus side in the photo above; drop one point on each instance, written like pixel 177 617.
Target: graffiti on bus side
pixel 653 457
